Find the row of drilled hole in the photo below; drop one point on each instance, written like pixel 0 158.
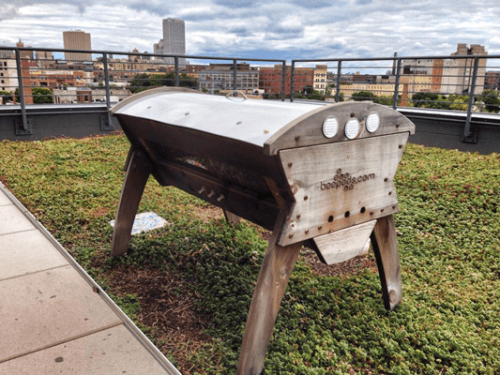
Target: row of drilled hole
pixel 347 214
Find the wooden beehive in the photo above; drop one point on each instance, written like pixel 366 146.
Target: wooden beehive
pixel 321 174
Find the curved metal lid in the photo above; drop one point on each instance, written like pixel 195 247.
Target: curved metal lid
pixel 270 124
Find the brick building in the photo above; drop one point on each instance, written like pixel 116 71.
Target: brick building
pixel 271 79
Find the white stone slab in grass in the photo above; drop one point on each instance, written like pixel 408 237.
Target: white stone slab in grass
pixel 146 222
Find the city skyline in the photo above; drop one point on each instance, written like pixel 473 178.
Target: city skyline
pixel 356 28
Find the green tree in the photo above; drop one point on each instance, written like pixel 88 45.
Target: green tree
pixel 42 95
pixel 359 96
pixel 308 89
pixel 384 99
pixel 145 81
pixel 5 95
pixel 424 99
pixel 459 102
pixel 491 100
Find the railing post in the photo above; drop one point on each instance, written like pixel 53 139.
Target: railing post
pixel 339 73
pixel 21 90
pixel 176 60
pixel 106 80
pixel 467 132
pixel 283 90
pixel 396 85
pixel 235 75
pixel 292 76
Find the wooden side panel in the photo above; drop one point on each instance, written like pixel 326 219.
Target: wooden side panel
pixel 138 171
pixel 345 244
pixel 385 246
pixel 243 203
pixel 271 285
pixel 339 185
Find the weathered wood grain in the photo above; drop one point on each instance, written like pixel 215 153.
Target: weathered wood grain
pixel 344 244
pixel 385 246
pixel 327 198
pixel 138 171
pixel 307 130
pixel 231 198
pixel 271 285
pixel 231 218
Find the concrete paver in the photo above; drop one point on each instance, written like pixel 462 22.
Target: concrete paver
pixel 13 220
pixel 109 352
pixel 27 252
pixel 47 308
pixel 4 200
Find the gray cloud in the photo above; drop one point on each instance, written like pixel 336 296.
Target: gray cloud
pixel 285 29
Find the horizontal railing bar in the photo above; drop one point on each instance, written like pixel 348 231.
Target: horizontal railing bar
pixel 96 52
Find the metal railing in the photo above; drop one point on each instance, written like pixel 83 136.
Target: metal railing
pixel 456 82
pixel 447 82
pixel 104 78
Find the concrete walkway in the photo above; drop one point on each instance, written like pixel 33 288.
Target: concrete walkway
pixel 54 319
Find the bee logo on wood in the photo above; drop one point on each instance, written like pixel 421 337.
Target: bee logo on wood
pixel 345 181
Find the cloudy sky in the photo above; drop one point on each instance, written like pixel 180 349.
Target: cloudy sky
pixel 293 29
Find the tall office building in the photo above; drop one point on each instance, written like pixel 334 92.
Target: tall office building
pixel 174 39
pixel 466 68
pixel 77 40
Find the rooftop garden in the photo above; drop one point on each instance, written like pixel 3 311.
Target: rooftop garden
pixel 188 286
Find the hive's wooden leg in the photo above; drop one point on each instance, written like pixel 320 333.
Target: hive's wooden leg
pixel 231 218
pixel 271 285
pixel 138 171
pixel 385 246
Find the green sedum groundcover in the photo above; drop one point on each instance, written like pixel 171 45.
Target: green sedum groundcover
pixel 449 239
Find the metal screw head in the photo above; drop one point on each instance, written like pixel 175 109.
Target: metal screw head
pixel 307 231
pixel 400 146
pixel 290 236
pixel 320 227
pixel 297 138
pixel 352 114
pixel 386 179
pixel 290 165
pixel 187 113
pixel 397 125
pixel 306 198
pixel 298 216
